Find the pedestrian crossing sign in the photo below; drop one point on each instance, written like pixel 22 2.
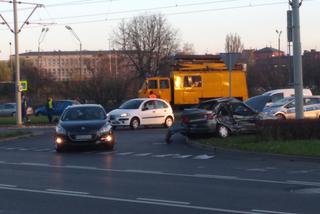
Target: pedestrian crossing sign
pixel 23 85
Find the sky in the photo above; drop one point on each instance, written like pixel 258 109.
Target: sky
pixel 203 23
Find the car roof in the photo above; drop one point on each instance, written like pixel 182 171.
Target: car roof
pixel 222 100
pixel 85 105
pixel 145 99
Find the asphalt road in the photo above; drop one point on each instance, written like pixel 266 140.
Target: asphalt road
pixel 145 175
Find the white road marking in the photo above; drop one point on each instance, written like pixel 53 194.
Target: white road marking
pixel 9 148
pixel 143 171
pixel 271 212
pixel 219 177
pixel 257 170
pixel 81 167
pixel 215 176
pixel 42 150
pixel 182 156
pixel 124 153
pixel 23 149
pixel 203 157
pixel 165 201
pixel 67 191
pixel 308 183
pixel 7 185
pixel 73 194
pixel 34 164
pixel 142 154
pixel 164 155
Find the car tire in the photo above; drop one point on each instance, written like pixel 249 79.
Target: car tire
pixel 168 122
pixel 223 131
pixel 280 117
pixel 60 148
pixel 134 123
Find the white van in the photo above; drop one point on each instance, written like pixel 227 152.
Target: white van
pixel 279 94
pixel 261 101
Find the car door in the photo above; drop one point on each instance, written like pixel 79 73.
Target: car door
pixel 224 116
pixel 244 117
pixel 149 113
pixel 311 107
pixel 9 109
pixel 162 111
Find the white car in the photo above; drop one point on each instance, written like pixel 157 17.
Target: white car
pixel 142 111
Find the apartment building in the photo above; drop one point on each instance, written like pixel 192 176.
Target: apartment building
pixel 75 65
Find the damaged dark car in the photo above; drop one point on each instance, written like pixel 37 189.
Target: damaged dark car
pixel 222 116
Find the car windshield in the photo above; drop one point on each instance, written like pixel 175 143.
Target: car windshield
pixel 131 104
pixel 84 113
pixel 258 102
pixel 282 102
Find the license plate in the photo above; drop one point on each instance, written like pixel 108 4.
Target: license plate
pixel 83 137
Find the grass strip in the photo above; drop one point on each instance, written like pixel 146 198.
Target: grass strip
pixel 251 143
pixel 33 120
pixel 9 134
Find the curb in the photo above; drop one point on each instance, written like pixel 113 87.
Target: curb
pixel 198 145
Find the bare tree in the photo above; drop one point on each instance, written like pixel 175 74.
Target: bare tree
pixel 5 73
pixel 233 43
pixel 146 40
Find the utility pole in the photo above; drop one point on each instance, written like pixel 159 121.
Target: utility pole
pixel 17 68
pixel 80 53
pixel 297 59
pixel 279 32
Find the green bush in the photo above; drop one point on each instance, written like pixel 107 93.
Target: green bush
pixel 269 130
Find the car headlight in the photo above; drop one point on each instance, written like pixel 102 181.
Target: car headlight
pixel 105 129
pixel 125 115
pixel 60 130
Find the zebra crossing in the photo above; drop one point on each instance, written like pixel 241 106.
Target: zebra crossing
pixel 118 153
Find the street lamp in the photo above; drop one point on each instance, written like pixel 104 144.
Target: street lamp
pixel 76 36
pixel 40 40
pixel 279 32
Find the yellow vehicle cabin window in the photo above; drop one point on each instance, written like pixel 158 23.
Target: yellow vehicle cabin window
pixel 164 84
pixel 152 84
pixel 192 81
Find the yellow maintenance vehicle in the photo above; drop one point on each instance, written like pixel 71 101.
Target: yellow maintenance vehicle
pixel 195 78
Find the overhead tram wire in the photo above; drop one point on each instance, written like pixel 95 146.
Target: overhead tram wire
pixel 179 13
pixel 148 9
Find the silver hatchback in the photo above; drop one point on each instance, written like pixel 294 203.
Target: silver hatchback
pixel 285 108
pixel 8 109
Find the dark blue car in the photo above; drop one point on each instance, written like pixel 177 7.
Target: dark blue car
pixel 58 107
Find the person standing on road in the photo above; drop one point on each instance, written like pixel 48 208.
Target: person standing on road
pixel 152 95
pixel 49 107
pixel 24 106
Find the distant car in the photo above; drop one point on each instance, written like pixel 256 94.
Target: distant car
pixel 8 109
pixel 58 107
pixel 269 97
pixel 84 125
pixel 222 116
pixel 285 108
pixel 142 111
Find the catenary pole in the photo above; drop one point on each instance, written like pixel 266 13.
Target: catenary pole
pixel 17 63
pixel 297 59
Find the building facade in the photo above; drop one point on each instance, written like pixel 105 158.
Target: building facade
pixel 75 65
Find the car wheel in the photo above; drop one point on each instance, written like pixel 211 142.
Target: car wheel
pixel 168 122
pixel 223 131
pixel 60 148
pixel 280 117
pixel 135 123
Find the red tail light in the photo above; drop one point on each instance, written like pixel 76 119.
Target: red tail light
pixel 210 116
pixel 185 119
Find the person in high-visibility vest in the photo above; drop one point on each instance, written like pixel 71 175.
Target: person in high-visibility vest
pixel 49 107
pixel 152 95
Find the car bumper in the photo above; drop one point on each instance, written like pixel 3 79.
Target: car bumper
pixel 120 122
pixel 68 140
